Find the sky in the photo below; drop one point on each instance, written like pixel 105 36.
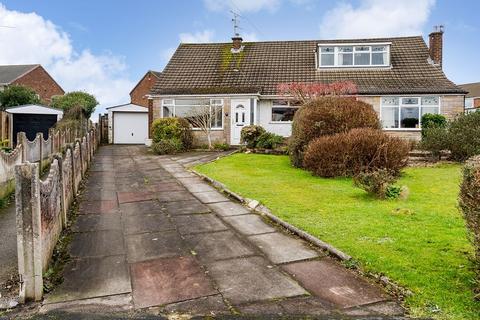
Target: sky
pixel 104 47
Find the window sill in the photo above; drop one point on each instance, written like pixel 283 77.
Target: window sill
pixel 402 129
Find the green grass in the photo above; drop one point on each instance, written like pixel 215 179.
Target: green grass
pixel 423 246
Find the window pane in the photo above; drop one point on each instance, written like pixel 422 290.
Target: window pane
pixel 409 100
pixel 362 48
pixel 167 112
pixel 168 101
pixel 280 102
pixel 326 59
pixel 327 49
pixel 391 101
pixel 469 103
pixel 184 111
pixel 345 59
pixel 429 109
pixel 390 117
pixel 217 102
pixel 409 117
pixel 345 49
pixel 379 58
pixel 217 117
pixel 192 102
pixel 379 48
pixel 283 113
pixel 362 59
pixel 432 101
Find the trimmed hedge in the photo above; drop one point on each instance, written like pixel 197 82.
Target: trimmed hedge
pixel 356 151
pixel 269 140
pixel 177 129
pixel 327 116
pixel 470 205
pixel 464 136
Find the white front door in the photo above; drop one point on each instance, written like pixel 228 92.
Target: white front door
pixel 240 115
pixel 130 127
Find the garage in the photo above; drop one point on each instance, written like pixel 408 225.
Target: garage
pixel 32 119
pixel 128 124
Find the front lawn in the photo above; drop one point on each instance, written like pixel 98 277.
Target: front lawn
pixel 420 242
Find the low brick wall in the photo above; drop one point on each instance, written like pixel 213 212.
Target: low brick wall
pixel 42 206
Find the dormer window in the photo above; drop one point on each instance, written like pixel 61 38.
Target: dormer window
pixel 351 55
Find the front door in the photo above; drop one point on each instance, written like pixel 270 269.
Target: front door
pixel 240 115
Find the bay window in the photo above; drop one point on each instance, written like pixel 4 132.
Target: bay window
pixel 368 55
pixel 188 108
pixel 406 112
pixel 283 110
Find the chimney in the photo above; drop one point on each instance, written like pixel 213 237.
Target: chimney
pixel 237 43
pixel 435 43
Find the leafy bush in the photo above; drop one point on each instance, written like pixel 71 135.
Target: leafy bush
pixel 359 150
pixel 269 140
pixel 435 139
pixel 375 182
pixel 76 99
pixel 470 205
pixel 16 95
pixel 173 128
pixel 250 135
pixel 167 146
pixel 221 146
pixel 464 136
pixel 327 116
pixel 430 120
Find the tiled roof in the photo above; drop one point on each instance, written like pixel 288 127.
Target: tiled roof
pixel 472 88
pixel 10 73
pixel 261 66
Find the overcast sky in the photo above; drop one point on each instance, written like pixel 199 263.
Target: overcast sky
pixel 105 46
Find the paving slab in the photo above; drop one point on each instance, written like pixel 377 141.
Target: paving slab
pixel 311 306
pixel 199 187
pixel 217 246
pixel 93 277
pixel 174 196
pixel 280 248
pixel 190 180
pixel 163 281
pixel 262 309
pixel 331 282
pixel 145 207
pixel 102 194
pixel 189 224
pixel 210 196
pixel 101 305
pixel 250 279
pixel 97 222
pixel 183 174
pixel 150 222
pixel 249 224
pixel 185 207
pixel 97 243
pixel 210 306
pixel 165 186
pixel 228 208
pixel 97 207
pixel 146 246
pixel 124 197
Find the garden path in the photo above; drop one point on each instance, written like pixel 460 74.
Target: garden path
pixel 150 235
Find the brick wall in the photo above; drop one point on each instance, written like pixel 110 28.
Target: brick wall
pixel 451 106
pixel 138 94
pixel 43 84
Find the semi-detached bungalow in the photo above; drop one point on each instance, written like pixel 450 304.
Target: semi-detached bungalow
pixel 400 77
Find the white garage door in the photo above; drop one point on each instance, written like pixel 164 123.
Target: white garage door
pixel 130 127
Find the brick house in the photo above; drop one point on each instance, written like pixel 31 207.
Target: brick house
pixel 138 95
pixel 33 76
pixel 400 77
pixel 472 99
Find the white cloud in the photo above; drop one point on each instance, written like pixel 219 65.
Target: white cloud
pixel 37 40
pixel 242 5
pixel 376 18
pixel 197 37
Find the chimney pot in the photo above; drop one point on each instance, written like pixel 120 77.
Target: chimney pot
pixel 435 43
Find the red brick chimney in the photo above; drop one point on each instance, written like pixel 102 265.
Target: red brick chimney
pixel 435 43
pixel 237 43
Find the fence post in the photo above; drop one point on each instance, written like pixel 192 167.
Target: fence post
pixel 51 135
pixel 28 223
pixel 63 204
pixel 39 140
pixel 21 139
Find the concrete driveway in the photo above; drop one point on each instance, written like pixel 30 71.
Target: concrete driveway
pixel 152 236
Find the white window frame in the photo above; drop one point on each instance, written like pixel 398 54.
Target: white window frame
pixel 399 107
pixel 288 105
pixel 336 53
pixel 170 102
